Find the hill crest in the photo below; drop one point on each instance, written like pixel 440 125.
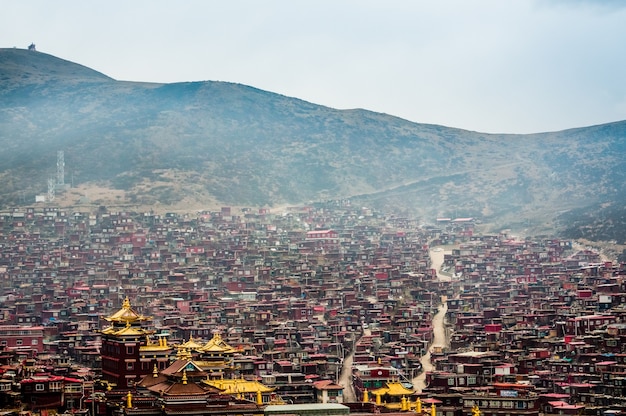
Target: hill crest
pixel 211 143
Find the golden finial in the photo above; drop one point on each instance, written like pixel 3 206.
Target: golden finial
pixel 366 396
pixel 433 410
pixel 418 405
pixel 126 303
pixel 155 371
pixel 129 400
pixel 184 376
pixel 475 410
pixel 259 397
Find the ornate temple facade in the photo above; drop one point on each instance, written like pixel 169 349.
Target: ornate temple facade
pixel 128 353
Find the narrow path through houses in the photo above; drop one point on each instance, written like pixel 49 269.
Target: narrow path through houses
pixel 440 337
pixel 345 379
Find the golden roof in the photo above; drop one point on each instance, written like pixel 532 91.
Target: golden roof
pixel 192 344
pixel 126 330
pixel 235 386
pixel 126 314
pixel 151 346
pixel 217 345
pixel 393 388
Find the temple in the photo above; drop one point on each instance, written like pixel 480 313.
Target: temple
pixel 128 353
pixel 148 376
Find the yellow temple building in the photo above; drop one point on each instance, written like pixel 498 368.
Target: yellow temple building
pixel 393 395
pixel 215 356
pixel 183 388
pixel 246 389
pixel 127 351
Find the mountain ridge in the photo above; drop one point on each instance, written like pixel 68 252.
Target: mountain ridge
pixel 219 143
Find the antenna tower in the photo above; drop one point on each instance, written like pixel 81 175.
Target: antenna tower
pixel 51 188
pixel 60 168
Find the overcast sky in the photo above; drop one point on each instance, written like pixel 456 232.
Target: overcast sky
pixel 493 66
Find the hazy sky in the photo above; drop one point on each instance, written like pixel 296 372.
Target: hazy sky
pixel 490 65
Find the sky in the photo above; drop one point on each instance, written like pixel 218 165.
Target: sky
pixel 493 66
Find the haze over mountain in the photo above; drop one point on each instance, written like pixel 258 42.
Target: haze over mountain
pixel 205 144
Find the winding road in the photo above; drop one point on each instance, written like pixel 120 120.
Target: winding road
pixel 440 338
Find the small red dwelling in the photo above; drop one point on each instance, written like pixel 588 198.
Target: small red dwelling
pixel 322 234
pixel 21 338
pixel 581 325
pixel 45 391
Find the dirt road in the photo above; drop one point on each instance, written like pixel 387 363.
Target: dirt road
pixel 439 330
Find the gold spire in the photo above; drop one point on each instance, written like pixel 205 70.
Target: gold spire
pixel 366 396
pixel 259 397
pixel 155 371
pixel 418 405
pixel 129 398
pixel 433 410
pixel 126 314
pixel 184 376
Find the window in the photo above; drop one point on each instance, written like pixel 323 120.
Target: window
pixel 39 387
pixel 34 342
pixel 130 350
pixel 18 342
pixel 130 366
pixel 451 381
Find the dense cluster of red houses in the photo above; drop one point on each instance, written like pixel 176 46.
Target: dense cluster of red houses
pixel 534 325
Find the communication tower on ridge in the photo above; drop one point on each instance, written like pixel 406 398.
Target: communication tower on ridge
pixel 51 189
pixel 60 168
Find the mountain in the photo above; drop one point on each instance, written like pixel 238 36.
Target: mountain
pixel 205 144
